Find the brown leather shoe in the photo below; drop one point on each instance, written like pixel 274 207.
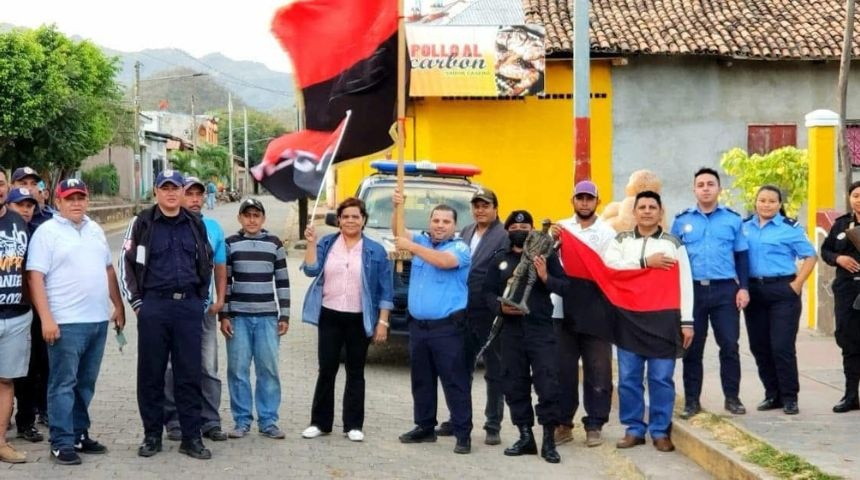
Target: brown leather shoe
pixel 630 441
pixel 563 434
pixel 664 444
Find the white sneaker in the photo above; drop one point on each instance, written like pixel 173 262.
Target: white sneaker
pixel 355 435
pixel 312 432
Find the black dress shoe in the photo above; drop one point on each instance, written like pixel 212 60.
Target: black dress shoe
pixel 215 434
pixel 846 405
pixel 525 445
pixel 149 447
pixel 445 429
pixel 30 433
pixel 464 446
pixel 194 448
pixel 419 435
pixel 769 403
pixel 691 408
pixel 735 406
pixel 789 407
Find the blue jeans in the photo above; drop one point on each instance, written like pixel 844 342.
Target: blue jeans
pixel 73 363
pixel 254 338
pixel 210 201
pixel 631 394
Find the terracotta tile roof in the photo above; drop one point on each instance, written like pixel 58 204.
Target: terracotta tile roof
pixel 759 29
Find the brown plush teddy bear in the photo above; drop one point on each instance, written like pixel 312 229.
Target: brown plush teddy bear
pixel 619 215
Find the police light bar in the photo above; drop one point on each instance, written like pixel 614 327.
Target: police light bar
pixel 417 168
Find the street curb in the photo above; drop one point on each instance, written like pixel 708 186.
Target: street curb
pixel 712 455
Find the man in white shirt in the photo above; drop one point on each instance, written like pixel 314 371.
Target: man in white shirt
pixel 72 285
pixel 648 246
pixel 577 338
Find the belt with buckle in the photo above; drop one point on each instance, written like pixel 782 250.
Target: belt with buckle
pixel 171 295
pixel 780 278
pixel 706 283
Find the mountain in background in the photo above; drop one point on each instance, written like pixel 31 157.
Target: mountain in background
pixel 252 83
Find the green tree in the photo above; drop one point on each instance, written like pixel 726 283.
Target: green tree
pixel 185 161
pixel 83 119
pixel 209 161
pixel 262 128
pixel 786 168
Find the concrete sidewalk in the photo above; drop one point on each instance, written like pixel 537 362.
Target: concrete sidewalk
pixel 823 438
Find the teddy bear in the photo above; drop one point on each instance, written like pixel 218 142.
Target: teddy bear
pixel 619 215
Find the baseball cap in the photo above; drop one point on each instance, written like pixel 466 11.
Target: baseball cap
pixel 519 216
pixel 70 186
pixel 586 187
pixel 190 181
pixel 169 176
pixel 251 203
pixel 486 195
pixel 18 195
pixel 22 172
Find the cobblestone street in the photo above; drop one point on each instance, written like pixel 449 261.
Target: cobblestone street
pixel 116 422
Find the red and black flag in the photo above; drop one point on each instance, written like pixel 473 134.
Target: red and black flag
pixel 344 53
pixel 638 310
pixel 294 165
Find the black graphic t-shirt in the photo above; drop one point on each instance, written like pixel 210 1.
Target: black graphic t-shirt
pixel 13 249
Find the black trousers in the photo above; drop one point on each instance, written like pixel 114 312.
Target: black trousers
pixel 529 358
pixel 715 303
pixel 480 323
pixel 437 353
pixel 170 329
pixel 336 331
pixel 845 290
pixel 596 355
pixel 31 392
pixel 772 319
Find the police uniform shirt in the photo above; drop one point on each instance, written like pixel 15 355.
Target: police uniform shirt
pixel 436 293
pixel 775 246
pixel 711 241
pixel 172 256
pixel 837 243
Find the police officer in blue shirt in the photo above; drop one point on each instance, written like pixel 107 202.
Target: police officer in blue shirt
pixel 773 313
pixel 165 270
pixel 720 265
pixel 437 299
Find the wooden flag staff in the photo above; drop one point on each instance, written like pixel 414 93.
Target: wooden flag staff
pixel 399 218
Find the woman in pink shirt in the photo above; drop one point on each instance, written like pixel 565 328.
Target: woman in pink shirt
pixel 349 300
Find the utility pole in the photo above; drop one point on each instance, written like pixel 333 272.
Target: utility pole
pixel 842 96
pixel 247 176
pixel 193 127
pixel 230 136
pixel 138 162
pixel 581 92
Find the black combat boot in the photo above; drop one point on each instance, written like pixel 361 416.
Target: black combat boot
pixel 547 449
pixel 525 445
pixel 850 401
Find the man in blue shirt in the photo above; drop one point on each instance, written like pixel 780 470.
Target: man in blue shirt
pixel 437 299
pixel 210 384
pixel 719 261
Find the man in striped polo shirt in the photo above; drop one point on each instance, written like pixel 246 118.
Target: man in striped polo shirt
pixel 253 320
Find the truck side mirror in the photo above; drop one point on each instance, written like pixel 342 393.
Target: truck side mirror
pixel 331 219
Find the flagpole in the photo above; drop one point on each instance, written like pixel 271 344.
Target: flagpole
pixel 399 219
pixel 328 167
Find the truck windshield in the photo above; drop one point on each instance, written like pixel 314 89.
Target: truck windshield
pixel 419 202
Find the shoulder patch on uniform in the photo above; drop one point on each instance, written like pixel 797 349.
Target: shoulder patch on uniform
pixel 791 221
pixel 671 238
pixel 688 210
pixel 728 209
pixel 749 217
pixel 622 235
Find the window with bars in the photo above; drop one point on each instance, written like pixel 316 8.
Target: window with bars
pixel 852 136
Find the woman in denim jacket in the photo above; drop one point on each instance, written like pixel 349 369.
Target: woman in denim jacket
pixel 349 300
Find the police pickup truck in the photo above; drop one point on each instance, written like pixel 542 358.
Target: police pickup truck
pixel 426 185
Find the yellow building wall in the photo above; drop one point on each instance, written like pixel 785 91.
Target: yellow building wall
pixel 523 146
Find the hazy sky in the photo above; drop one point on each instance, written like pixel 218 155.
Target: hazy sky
pixel 238 29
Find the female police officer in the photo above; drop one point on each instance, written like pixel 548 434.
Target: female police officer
pixel 773 313
pixel 528 343
pixel 841 252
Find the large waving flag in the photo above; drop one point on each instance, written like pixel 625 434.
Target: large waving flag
pixel 638 310
pixel 344 53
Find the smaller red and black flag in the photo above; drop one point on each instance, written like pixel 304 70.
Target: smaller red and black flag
pixel 638 310
pixel 295 165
